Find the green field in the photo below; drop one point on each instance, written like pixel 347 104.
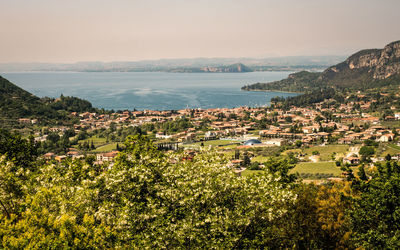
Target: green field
pixel 385 149
pixel 327 151
pixel 96 141
pixel 213 143
pixel 106 148
pixel 319 167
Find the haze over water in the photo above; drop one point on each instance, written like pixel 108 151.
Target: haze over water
pixel 151 90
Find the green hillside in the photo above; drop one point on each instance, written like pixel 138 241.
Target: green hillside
pixel 363 70
pixel 16 103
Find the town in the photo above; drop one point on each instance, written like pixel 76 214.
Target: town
pixel 321 137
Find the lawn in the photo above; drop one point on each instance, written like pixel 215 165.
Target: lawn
pixel 319 167
pixel 106 148
pixel 327 151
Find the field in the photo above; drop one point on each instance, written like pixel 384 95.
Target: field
pixel 319 167
pixel 327 151
pixel 96 141
pixel 106 148
pixel 101 144
pixel 311 170
pixel 385 149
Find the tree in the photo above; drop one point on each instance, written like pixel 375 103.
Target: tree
pixel 366 152
pixel 281 167
pixel 246 159
pixel 20 151
pixel 17 165
pixel 53 137
pixel 374 217
pixel 318 118
pixel 361 173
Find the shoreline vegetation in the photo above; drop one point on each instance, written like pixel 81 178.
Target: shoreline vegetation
pixel 272 90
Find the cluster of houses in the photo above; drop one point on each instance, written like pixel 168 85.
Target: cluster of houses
pixel 307 125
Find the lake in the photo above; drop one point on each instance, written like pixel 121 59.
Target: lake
pixel 151 90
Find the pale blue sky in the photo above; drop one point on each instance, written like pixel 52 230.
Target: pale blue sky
pixel 127 30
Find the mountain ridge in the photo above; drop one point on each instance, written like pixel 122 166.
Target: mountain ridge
pixel 369 67
pixel 286 63
pixel 16 103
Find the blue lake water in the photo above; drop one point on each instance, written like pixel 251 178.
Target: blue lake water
pixel 151 90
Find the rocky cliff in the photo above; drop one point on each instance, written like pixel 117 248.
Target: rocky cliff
pixel 376 64
pixel 366 68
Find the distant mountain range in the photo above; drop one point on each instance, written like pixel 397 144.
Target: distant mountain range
pixel 293 63
pixel 364 69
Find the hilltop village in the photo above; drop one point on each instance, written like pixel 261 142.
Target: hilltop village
pixel 248 136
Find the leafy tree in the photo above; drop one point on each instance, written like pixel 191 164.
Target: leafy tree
pixel 18 150
pixel 374 218
pixel 53 137
pixel 367 151
pixel 281 167
pixel 246 159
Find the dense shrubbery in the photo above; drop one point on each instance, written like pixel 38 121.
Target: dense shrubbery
pixel 150 199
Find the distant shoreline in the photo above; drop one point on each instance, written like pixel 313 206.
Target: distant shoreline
pixel 269 90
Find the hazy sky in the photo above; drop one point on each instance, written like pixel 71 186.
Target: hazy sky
pixel 127 30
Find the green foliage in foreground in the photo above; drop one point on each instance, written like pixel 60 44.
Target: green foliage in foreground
pixel 149 199
pixel 375 217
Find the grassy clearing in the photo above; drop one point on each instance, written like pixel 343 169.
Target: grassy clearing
pixel 327 151
pixel 385 149
pixel 96 141
pixel 106 148
pixel 394 146
pixel 319 167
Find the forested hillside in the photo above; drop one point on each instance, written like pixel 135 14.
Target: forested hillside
pixel 17 103
pixel 362 70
